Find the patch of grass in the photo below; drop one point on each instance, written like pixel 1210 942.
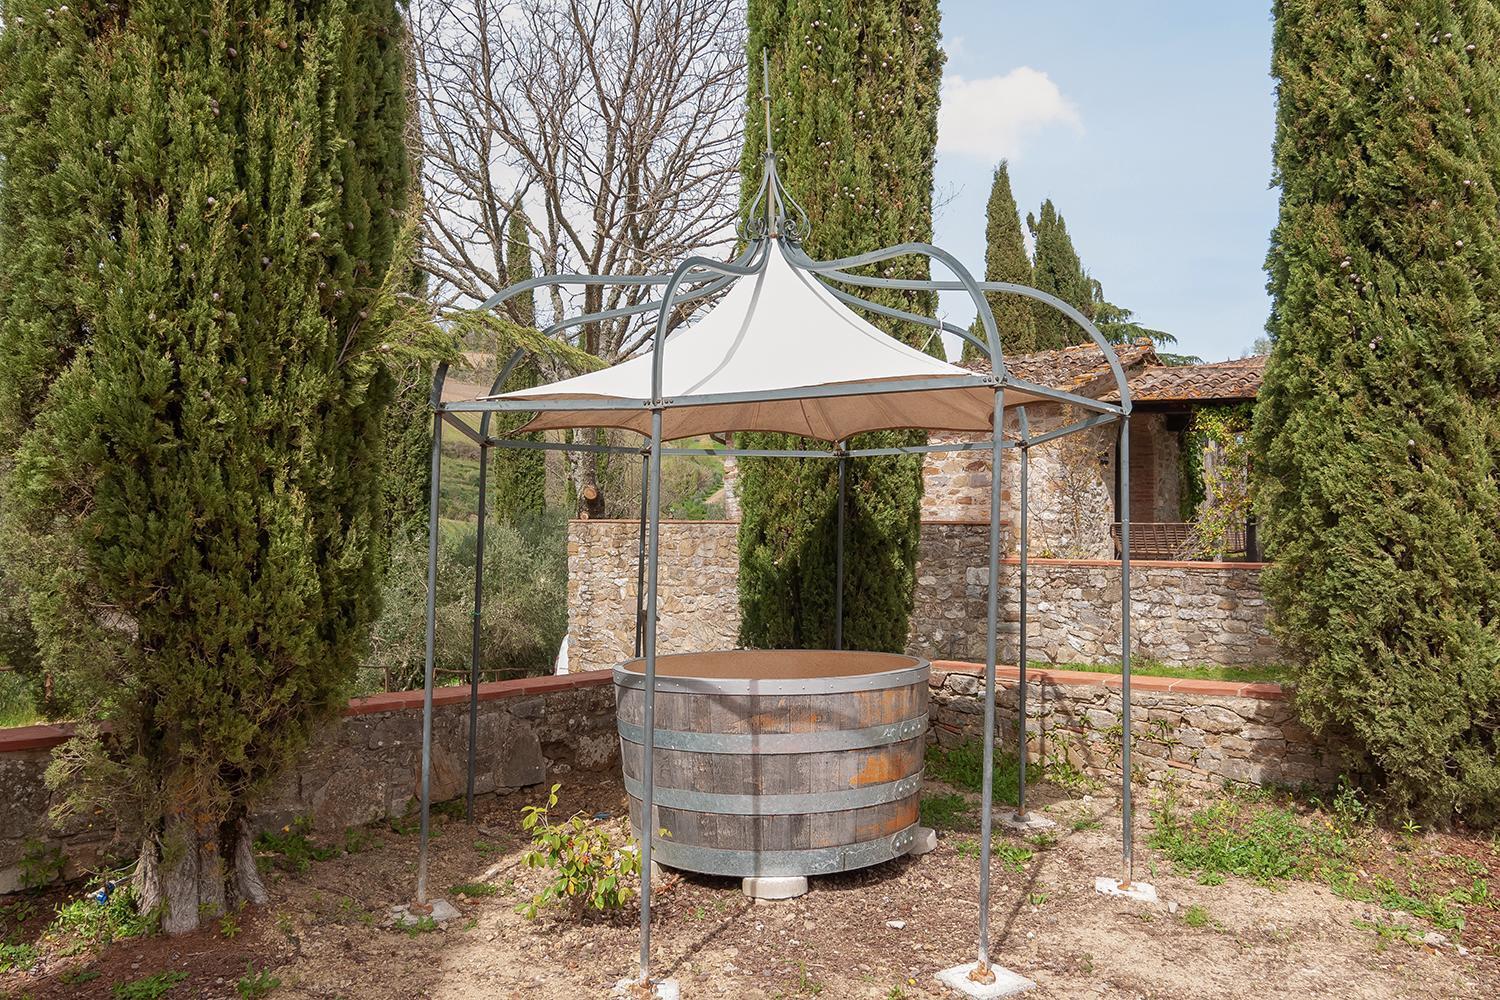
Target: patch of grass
pixel 945 812
pixel 963 767
pixel 806 985
pixel 1273 673
pixel 88 920
pixel 16 706
pixel 474 890
pixel 422 925
pixel 1386 932
pixel 77 977
pixel 1268 845
pixel 16 957
pixel 1089 822
pixel 255 984
pixel 150 987
pixel 291 850
pixel 1012 857
pixel 1195 916
pixel 357 840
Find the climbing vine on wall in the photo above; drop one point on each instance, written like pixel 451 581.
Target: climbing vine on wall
pixel 1216 494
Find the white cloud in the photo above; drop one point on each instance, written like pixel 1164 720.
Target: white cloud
pixel 990 118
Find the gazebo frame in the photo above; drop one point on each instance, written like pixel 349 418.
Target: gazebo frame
pixel 775 216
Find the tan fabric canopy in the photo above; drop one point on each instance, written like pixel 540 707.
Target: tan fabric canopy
pixel 777 331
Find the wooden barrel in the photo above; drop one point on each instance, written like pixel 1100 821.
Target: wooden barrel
pixel 777 762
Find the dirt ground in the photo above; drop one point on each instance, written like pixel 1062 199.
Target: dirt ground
pixel 326 934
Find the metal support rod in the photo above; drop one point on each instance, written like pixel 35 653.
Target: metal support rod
pixel 992 624
pixel 648 721
pixel 1021 747
pixel 432 554
pixel 1127 826
pixel 838 551
pixel 640 553
pixel 476 642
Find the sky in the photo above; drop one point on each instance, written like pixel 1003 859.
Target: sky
pixel 1148 123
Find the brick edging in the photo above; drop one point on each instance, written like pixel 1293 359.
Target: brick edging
pixel 1263 690
pixel 45 737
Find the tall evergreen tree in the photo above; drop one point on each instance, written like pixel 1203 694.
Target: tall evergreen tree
pixel 1056 269
pixel 1377 432
pixel 520 475
pixel 854 97
pixel 1005 260
pixel 200 222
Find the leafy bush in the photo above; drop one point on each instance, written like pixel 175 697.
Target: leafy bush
pixel 16 957
pixel 590 870
pixel 525 613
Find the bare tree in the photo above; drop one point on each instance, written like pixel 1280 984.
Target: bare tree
pixel 615 125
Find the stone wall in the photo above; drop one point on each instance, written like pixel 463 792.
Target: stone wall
pixel 364 767
pixel 1182 613
pixel 1192 734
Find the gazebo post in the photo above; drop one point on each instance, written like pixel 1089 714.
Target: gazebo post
pixel 648 773
pixel 838 549
pixel 1127 832
pixel 477 639
pixel 1021 747
pixel 421 906
pixel 640 552
pixel 987 792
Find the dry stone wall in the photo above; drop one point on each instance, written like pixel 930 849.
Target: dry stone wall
pixel 1182 613
pixel 1192 734
pixel 364 767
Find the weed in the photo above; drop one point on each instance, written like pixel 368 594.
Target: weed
pixel 15 957
pixel 422 925
pixel 1268 845
pixel 474 890
pixel 255 984
pixel 896 993
pixel 1036 898
pixel 485 848
pixel 291 849
pixel 406 825
pixel 357 840
pixel 967 848
pixel 1043 841
pixel 77 977
pixel 1387 932
pixel 151 987
pixel 1012 857
pixel 1089 822
pixel 963 767
pixel 1195 916
pixel 944 812
pixel 90 921
pixel 228 927
pixel 41 863
pixel 452 809
pixel 805 983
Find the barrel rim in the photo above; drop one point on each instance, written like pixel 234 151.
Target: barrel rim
pixel 917 670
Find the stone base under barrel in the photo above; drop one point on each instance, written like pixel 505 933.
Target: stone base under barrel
pixel 778 762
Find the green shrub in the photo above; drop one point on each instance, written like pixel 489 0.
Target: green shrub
pixel 589 868
pixel 525 613
pixel 291 849
pixel 88 920
pixel 255 984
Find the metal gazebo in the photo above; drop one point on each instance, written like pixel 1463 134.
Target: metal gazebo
pixel 783 350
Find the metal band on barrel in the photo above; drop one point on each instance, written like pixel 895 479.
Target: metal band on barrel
pixel 780 805
pixel 778 743
pixel 816 861
pixel 905 677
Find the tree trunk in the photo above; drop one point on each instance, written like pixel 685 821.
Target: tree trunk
pixel 191 874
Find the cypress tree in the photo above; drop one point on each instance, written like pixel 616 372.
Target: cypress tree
pixel 1005 260
pixel 854 96
pixel 1056 269
pixel 1377 431
pixel 201 222
pixel 519 475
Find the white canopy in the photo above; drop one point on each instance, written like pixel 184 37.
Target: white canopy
pixel 775 334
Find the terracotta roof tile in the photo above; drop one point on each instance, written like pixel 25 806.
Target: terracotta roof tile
pixel 1083 369
pixel 1221 380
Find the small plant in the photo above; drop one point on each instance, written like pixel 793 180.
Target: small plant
pixel 1195 916
pixel 1012 857
pixel 228 927
pixel 41 864
pixel 967 848
pixel 405 826
pixel 421 925
pixel 1036 898
pixel 896 993
pixel 944 812
pixel 151 987
pixel 474 890
pixel 255 984
pixel 805 983
pixel 107 913
pixel 1043 841
pixel 357 840
pixel 291 850
pixel 1082 823
pixel 77 977
pixel 485 848
pixel 16 957
pixel 589 869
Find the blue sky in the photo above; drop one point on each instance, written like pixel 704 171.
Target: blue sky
pixel 1149 125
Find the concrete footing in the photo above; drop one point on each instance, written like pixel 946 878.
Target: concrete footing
pixel 782 887
pixel 1140 892
pixel 634 989
pixel 409 915
pixel 1006 983
pixel 924 841
pixel 1027 822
